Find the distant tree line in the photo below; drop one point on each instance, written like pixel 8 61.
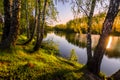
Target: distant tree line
pixel 79 25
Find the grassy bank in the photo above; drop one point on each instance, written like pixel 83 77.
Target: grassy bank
pixel 23 64
pixel 41 65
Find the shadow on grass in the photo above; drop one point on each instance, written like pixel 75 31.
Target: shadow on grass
pixel 28 72
pixel 64 74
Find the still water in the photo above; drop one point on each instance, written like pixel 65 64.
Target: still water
pixel 66 42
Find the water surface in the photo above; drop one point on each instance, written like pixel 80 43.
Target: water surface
pixel 66 42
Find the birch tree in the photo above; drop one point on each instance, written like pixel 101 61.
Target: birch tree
pixel 100 50
pixel 12 20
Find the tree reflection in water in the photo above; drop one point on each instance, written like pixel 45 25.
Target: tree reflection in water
pixel 66 42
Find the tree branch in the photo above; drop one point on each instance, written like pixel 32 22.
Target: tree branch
pixel 82 8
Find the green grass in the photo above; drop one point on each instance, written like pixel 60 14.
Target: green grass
pixel 39 65
pixel 22 64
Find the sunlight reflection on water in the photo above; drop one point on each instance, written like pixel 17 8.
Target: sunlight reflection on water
pixel 111 60
pixel 109 43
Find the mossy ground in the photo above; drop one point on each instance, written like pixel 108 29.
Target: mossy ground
pixel 23 64
pixel 40 65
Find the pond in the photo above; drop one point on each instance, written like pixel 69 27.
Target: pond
pixel 66 42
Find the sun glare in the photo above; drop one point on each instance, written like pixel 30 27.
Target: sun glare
pixel 109 42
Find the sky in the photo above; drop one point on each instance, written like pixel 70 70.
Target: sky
pixel 65 13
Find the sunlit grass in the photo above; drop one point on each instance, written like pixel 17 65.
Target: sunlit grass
pixel 45 64
pixel 40 65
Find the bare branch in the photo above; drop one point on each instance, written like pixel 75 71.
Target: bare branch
pixel 82 8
